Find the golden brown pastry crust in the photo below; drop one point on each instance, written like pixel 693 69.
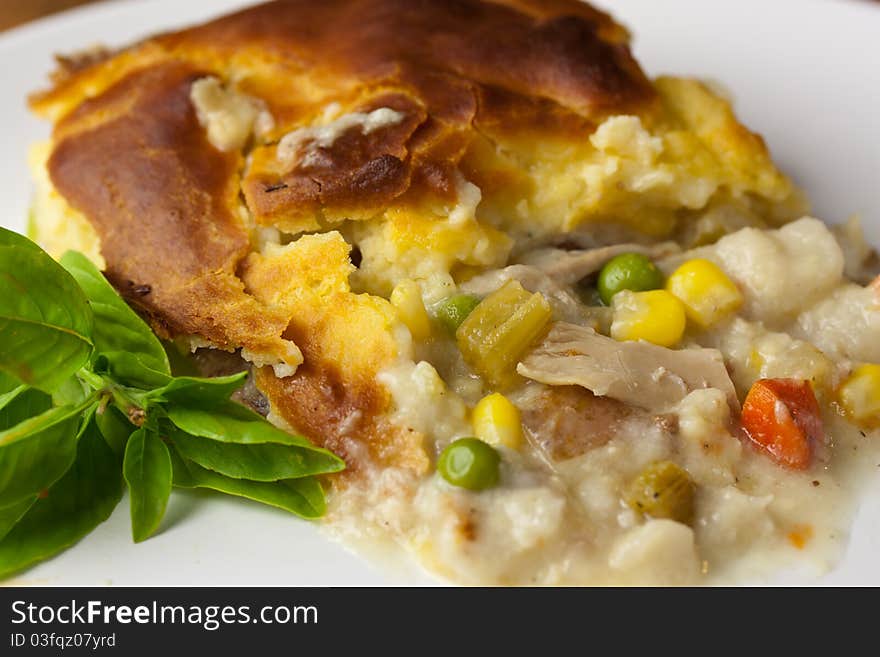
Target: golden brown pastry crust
pixel 452 66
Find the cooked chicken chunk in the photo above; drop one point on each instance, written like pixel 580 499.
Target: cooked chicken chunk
pixel 638 373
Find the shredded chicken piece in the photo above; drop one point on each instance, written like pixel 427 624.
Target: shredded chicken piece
pixel 568 267
pixel 638 373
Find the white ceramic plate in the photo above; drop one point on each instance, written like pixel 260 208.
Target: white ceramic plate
pixel 804 73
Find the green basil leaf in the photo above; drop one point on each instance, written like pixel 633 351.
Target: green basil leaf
pixel 147 469
pixel 130 370
pixel 180 472
pixel 45 320
pixel 230 422
pixel 7 397
pixel 118 329
pixel 71 392
pixel 11 238
pixel 9 515
pixel 36 452
pixel 8 383
pixel 115 428
pixel 198 391
pixel 22 403
pixel 259 462
pixel 303 497
pixel 75 504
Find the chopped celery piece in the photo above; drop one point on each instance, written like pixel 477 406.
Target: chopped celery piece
pixel 663 490
pixel 500 329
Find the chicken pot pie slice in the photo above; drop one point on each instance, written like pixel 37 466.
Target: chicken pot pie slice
pixel 394 214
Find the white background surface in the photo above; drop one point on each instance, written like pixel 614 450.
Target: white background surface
pixel 805 73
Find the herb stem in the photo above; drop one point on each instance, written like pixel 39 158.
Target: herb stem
pixel 121 396
pixel 94 381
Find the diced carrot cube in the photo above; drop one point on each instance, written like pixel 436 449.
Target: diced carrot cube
pixel 781 416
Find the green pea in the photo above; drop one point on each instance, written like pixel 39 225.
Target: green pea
pixel 469 463
pixel 453 310
pixel 628 271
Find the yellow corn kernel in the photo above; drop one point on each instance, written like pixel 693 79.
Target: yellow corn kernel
pixel 860 395
pixel 655 316
pixel 707 293
pixel 496 421
pixel 407 298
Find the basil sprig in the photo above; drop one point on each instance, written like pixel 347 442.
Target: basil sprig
pixel 89 405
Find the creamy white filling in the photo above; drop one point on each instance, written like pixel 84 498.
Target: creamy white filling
pixel 469 197
pixel 228 117
pixel 423 402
